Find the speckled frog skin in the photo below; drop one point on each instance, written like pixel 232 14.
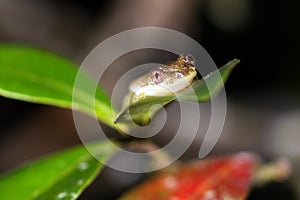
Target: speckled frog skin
pixel 164 80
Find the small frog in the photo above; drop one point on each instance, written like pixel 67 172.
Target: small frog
pixel 164 80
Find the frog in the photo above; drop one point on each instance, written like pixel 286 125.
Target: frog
pixel 163 80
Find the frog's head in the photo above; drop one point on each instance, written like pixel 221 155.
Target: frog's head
pixel 167 79
pixel 181 69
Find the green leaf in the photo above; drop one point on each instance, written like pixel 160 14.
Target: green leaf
pixel 212 79
pixel 140 112
pixel 37 76
pixel 60 176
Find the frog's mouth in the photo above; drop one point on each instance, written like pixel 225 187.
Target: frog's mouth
pixel 166 88
pixel 198 75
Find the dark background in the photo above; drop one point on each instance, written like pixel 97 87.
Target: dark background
pixel 263 91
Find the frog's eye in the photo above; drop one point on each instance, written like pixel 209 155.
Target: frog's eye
pixel 189 59
pixel 157 76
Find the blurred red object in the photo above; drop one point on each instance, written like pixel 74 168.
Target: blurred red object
pixel 219 178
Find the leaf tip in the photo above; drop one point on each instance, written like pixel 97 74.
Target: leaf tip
pixel 234 62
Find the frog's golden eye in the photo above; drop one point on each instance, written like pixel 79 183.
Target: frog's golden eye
pixel 157 76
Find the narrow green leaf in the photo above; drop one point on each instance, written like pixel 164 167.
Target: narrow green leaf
pixel 60 176
pixel 213 79
pixel 139 112
pixel 37 76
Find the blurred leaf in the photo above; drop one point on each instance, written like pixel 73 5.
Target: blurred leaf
pixel 37 76
pixel 220 178
pixel 139 111
pixel 60 176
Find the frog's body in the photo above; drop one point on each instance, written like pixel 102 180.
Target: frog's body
pixel 163 80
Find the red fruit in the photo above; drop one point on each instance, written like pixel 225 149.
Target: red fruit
pixel 221 178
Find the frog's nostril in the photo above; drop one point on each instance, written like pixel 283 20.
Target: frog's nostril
pixel 189 59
